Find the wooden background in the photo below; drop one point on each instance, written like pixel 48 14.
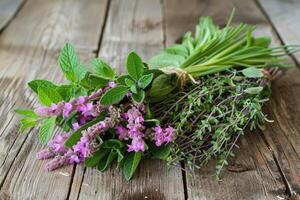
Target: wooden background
pixel 31 35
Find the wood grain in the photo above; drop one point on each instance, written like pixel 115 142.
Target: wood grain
pixel 29 50
pixel 284 15
pixel 254 173
pixel 132 25
pixel 8 8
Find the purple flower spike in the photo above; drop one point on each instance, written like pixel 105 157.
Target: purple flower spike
pixel 43 111
pixel 68 107
pixel 57 162
pixel 44 154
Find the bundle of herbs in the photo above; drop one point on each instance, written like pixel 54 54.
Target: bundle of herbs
pixel 190 103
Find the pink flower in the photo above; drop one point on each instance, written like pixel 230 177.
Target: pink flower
pixel 163 136
pixel 137 144
pixel 55 163
pixel 75 126
pixel 57 144
pixel 112 84
pixel 74 159
pixel 122 132
pixel 68 107
pixel 44 154
pixel 43 111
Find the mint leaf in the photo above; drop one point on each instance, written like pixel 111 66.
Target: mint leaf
pixel 114 95
pixel 27 113
pixel 27 123
pixel 46 129
pixel 96 157
pixel 35 84
pixel 66 91
pixel 161 152
pixel 252 72
pixel 48 95
pixel 70 65
pixel 145 80
pixel 129 82
pixel 103 69
pixel 131 163
pixel 135 66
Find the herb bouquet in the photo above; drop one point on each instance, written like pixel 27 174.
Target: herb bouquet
pixel 190 103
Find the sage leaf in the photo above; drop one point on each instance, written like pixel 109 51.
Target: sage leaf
pixel 161 86
pixel 145 80
pixel 129 82
pixel 135 66
pixel 139 96
pixel 131 163
pixel 252 72
pixel 114 95
pixel 46 129
pixel 166 60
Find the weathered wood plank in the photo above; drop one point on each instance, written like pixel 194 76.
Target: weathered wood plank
pixel 285 16
pixel 48 24
pixel 132 25
pixel 29 50
pixel 8 9
pixel 254 173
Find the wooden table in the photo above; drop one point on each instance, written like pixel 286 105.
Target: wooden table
pixel 31 35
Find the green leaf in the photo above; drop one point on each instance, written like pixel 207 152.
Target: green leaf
pixel 145 80
pixel 104 164
pixel 46 129
pixel 113 144
pixel 35 84
pixel 165 60
pixel 114 95
pixel 131 163
pixel 161 152
pixel 129 82
pixel 96 157
pixel 161 86
pixel 262 41
pixel 103 69
pixel 75 137
pixel 48 95
pixel 66 91
pixel 135 66
pixel 139 96
pixel 27 123
pixel 121 79
pixel 254 90
pixel 97 81
pixel 134 89
pixel 70 65
pixel 252 72
pixel 152 122
pixel 178 49
pixel 27 113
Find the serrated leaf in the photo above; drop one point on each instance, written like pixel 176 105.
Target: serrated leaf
pixel 66 91
pixel 252 72
pixel 103 69
pixel 70 65
pixel 145 80
pixel 27 123
pixel 135 66
pixel 254 90
pixel 27 113
pixel 40 83
pixel 46 129
pixel 131 163
pixel 96 157
pixel 114 95
pixel 48 95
